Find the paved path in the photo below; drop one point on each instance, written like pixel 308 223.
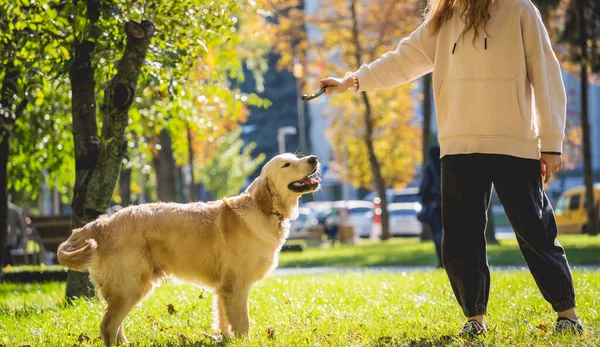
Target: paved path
pixel 322 270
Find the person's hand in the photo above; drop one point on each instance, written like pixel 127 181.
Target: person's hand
pixel 549 164
pixel 335 85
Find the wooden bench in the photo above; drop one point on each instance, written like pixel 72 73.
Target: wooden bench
pixel 52 230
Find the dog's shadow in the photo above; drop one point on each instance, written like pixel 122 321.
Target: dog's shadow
pixel 207 341
pixel 201 343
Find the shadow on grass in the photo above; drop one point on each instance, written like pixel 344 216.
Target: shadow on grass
pixel 511 254
pixel 580 251
pixel 429 342
pixel 206 342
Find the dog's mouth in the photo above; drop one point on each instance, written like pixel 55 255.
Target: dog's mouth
pixel 308 184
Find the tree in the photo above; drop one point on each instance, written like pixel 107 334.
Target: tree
pixel 103 47
pixel 354 33
pixel 230 167
pixel 27 56
pixel 167 180
pixel 578 24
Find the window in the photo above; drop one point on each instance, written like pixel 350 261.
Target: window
pixel 403 213
pixel 575 202
pixel 561 205
pixel 405 198
pixel 359 210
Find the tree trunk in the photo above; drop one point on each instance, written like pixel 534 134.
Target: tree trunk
pixel 85 136
pixel 377 176
pixel 426 234
pixel 97 163
pixel 9 87
pixel 4 147
pixel 426 117
pixel 125 187
pixel 166 172
pixel 585 126
pixel 8 116
pixel 192 188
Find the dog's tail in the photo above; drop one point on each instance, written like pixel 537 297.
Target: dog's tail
pixel 77 252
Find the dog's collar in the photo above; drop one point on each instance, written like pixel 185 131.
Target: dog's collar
pixel 279 216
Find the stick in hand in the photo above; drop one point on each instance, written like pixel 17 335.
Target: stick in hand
pixel 307 97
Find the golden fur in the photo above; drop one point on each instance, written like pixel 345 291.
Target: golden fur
pixel 227 245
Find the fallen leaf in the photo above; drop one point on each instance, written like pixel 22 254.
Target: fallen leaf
pixel 171 309
pixel 543 326
pixel 271 333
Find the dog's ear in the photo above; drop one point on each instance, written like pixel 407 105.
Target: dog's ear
pixel 262 193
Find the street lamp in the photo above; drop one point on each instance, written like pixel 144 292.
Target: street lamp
pixel 281 132
pixel 298 72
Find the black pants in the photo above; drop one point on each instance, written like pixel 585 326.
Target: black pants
pixel 466 189
pixel 436 234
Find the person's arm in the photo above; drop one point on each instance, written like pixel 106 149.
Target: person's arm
pixel 412 59
pixel 545 77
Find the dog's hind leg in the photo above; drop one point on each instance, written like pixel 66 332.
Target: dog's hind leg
pixel 113 318
pixel 121 297
pixel 222 323
pixel 235 300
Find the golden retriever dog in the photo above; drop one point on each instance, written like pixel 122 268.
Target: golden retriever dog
pixel 226 245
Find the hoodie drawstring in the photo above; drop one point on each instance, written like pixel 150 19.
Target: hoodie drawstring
pixel 459 35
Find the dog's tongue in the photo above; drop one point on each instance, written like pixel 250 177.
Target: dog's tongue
pixel 316 179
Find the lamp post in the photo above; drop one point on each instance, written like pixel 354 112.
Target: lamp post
pixel 281 132
pixel 298 72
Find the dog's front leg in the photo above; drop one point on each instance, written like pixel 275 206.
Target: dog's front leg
pixel 235 300
pixel 222 323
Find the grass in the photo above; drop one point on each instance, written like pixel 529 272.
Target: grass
pixel 350 309
pixel 33 268
pixel 580 249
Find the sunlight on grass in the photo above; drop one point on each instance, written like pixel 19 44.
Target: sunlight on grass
pixel 581 249
pixel 351 309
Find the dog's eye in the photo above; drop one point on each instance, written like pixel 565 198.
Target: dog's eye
pixel 285 165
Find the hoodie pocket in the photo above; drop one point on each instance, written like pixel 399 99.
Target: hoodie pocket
pixel 479 107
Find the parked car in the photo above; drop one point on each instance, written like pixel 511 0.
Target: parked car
pixel 398 195
pixel 571 209
pixel 403 219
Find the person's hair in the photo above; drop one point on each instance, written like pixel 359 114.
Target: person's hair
pixel 474 13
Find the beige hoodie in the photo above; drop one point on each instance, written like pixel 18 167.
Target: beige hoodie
pixel 484 91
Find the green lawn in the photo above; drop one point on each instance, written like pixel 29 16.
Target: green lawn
pixel 581 249
pixel 350 309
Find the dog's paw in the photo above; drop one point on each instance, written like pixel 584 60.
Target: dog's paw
pixel 213 337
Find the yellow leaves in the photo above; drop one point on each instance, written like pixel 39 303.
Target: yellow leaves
pixel 381 24
pixel 397 138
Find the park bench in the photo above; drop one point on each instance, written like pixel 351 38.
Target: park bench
pixel 45 235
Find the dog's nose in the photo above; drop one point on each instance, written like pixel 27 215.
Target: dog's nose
pixel 312 159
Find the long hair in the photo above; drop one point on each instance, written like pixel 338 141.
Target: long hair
pixel 474 13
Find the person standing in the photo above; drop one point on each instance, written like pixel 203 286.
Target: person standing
pixel 430 192
pixel 501 109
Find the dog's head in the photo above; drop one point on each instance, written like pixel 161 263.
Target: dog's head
pixel 282 181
